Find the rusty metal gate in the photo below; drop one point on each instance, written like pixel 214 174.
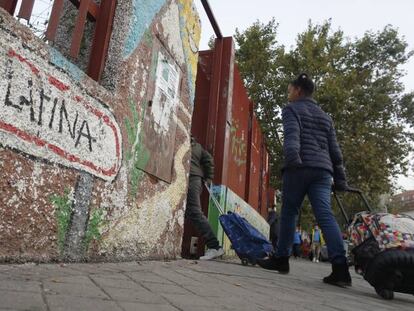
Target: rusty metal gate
pixel 101 14
pixel 225 124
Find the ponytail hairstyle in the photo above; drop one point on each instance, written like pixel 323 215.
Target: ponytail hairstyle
pixel 305 84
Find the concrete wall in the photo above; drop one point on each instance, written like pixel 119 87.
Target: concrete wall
pixel 98 171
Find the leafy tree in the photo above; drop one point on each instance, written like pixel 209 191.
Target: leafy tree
pixel 211 42
pixel 260 60
pixel 358 82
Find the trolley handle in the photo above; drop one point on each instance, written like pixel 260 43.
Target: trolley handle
pixel 216 203
pixel 360 194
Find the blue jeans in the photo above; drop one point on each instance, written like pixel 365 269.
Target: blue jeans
pixel 317 184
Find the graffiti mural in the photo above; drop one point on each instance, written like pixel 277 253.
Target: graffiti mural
pixel 98 169
pixel 146 10
pixel 63 212
pixel 138 156
pixel 190 34
pixel 47 117
pixel 93 232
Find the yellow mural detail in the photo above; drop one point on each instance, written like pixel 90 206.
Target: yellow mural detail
pixel 191 33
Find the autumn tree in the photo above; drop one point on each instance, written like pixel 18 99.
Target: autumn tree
pixel 358 82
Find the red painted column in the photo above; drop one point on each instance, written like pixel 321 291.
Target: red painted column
pixel 26 9
pixel 9 5
pixel 221 96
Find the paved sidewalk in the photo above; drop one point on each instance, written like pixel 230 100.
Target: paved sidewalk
pixel 183 285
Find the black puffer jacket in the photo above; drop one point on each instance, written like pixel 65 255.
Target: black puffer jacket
pixel 202 163
pixel 310 139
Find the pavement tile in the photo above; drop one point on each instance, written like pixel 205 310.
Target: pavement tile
pixel 133 266
pixel 196 308
pixel 130 306
pixel 148 277
pixel 22 301
pixel 111 282
pixel 165 288
pixel 93 268
pixel 237 303
pixel 202 277
pixel 208 291
pixel 78 279
pixel 178 277
pixel 187 300
pixel 19 285
pixel 134 295
pixel 185 285
pixel 77 290
pixel 39 272
pixel 117 276
pixel 71 303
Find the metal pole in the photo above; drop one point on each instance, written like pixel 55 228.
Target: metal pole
pixel 362 196
pixel 212 19
pixel 341 207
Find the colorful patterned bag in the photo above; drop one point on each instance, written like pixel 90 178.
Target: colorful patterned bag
pixel 389 230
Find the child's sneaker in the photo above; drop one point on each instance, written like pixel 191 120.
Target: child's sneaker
pixel 212 253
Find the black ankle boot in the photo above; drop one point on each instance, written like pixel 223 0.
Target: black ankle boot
pixel 280 264
pixel 340 276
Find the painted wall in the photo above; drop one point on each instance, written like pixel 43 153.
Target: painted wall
pixel 254 148
pixel 98 171
pixel 239 132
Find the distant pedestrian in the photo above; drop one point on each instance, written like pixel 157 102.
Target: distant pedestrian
pixel 306 248
pixel 311 158
pixel 297 243
pixel 201 170
pixel 317 243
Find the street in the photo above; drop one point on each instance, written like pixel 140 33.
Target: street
pixel 183 285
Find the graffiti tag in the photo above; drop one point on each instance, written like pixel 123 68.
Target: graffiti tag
pixel 44 116
pixel 238 145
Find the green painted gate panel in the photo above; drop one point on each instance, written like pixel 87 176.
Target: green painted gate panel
pixel 219 192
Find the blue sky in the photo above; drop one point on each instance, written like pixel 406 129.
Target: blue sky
pixel 354 17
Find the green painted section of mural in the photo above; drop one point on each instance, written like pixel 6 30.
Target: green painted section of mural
pixel 96 220
pixel 148 38
pixel 138 156
pixel 238 145
pixel 154 64
pixel 219 193
pixel 63 212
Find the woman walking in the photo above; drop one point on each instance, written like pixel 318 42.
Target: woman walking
pixel 312 159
